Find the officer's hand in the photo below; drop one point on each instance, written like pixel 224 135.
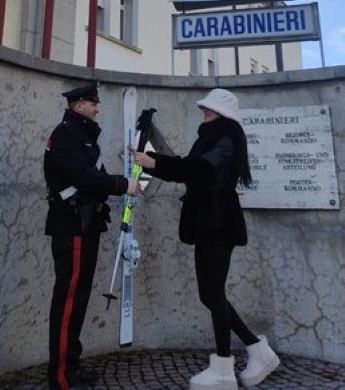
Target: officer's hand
pixel 133 187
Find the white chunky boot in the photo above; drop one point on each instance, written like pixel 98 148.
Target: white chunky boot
pixel 219 376
pixel 262 360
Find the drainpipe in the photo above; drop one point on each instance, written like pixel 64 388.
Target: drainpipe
pixel 92 28
pixel 47 28
pixel 2 18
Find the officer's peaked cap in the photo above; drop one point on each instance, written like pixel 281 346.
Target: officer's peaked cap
pixel 89 92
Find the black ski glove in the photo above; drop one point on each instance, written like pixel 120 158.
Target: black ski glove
pixel 145 119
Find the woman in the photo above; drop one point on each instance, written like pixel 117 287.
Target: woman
pixel 212 220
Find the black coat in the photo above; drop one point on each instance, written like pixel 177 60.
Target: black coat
pixel 70 160
pixel 211 211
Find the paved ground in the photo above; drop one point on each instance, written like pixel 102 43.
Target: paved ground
pixel 171 369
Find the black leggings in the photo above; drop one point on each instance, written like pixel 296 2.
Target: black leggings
pixel 212 265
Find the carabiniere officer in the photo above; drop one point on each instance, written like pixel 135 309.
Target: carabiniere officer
pixel 78 186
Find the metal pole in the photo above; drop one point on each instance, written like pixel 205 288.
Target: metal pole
pixel 47 29
pixel 172 47
pixel 322 52
pixel 279 57
pixel 92 29
pixel 173 61
pixel 2 19
pixel 278 51
pixel 237 58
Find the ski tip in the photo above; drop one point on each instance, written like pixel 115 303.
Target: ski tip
pixel 130 89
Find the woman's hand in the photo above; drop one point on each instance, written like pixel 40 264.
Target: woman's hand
pixel 143 159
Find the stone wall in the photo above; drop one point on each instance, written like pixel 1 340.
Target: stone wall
pixel 289 282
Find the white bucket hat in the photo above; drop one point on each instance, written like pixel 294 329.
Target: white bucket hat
pixel 223 102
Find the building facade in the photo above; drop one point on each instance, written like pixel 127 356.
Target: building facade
pixel 132 36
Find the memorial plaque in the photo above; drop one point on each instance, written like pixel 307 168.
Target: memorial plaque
pixel 291 156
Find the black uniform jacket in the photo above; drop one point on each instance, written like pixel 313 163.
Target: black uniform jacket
pixel 211 211
pixel 70 160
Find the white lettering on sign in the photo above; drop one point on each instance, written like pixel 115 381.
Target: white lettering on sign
pixel 291 156
pixel 291 23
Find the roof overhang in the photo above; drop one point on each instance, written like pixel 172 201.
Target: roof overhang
pixel 187 5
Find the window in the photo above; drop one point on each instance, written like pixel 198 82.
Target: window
pixel 195 62
pixel 254 66
pixel 100 15
pixel 211 67
pixel 128 21
pixel 212 63
pixel 103 15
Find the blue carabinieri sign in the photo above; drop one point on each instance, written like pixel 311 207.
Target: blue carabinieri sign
pixel 250 26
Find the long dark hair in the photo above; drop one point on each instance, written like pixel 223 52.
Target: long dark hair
pixel 210 132
pixel 245 177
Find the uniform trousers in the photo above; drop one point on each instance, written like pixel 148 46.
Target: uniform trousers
pixel 75 260
pixel 212 265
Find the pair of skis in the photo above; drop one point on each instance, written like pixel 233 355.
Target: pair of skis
pixel 128 248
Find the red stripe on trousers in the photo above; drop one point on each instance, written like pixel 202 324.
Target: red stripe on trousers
pixel 67 313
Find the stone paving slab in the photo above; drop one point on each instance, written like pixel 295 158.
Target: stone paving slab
pixel 172 369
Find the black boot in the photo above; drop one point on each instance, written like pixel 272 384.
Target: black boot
pixel 85 378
